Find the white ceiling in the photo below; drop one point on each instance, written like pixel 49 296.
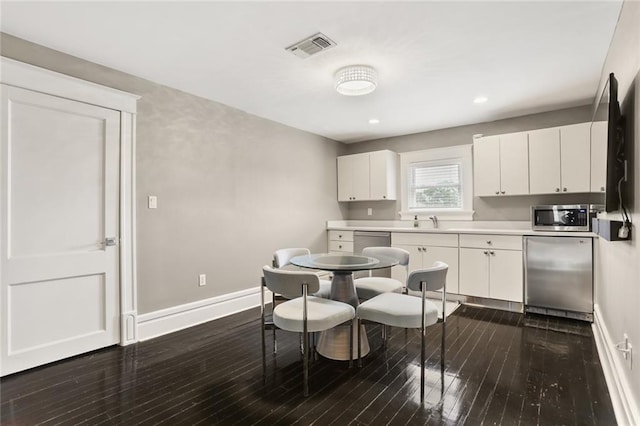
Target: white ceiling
pixel 433 58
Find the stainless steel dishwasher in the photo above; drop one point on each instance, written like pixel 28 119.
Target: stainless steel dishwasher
pixel 362 239
pixel 559 276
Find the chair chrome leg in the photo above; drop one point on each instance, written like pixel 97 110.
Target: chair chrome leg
pixel 262 327
pixel 422 364
pixel 305 362
pixel 351 324
pixel 359 325
pixel 422 332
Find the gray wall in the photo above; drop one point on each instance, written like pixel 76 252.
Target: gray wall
pixel 617 268
pixel 486 208
pixel 231 187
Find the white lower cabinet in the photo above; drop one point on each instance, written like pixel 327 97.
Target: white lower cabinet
pixel 424 250
pixel 340 242
pixel 491 267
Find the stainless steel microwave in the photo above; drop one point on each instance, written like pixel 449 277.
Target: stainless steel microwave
pixel 575 217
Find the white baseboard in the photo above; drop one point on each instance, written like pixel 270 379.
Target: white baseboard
pixel 164 321
pixel 625 407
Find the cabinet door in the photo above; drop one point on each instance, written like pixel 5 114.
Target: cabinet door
pixel 505 272
pixel 575 161
pixel 514 164
pixel 474 272
pixel 382 172
pixel 360 169
pixel 448 255
pixel 486 166
pixel 345 178
pixel 598 156
pixel 544 161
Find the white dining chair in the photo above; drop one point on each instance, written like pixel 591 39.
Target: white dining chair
pixel 305 313
pixel 407 311
pixel 282 259
pixel 369 287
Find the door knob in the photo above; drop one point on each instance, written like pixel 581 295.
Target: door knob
pixel 110 241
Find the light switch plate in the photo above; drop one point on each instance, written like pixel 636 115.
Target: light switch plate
pixel 202 280
pixel 369 211
pixel 153 202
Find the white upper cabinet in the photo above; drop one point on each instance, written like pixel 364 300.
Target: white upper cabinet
pixel 501 165
pixel 598 156
pixel 514 164
pixel 382 175
pixel 575 157
pixel 559 159
pixel 544 161
pixel 486 166
pixel 368 176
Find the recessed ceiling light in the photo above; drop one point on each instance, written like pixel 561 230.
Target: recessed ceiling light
pixel 374 121
pixel 480 99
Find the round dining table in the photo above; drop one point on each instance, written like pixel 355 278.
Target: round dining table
pixel 334 343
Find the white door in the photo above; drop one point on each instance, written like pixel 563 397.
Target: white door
pixel 575 157
pixel 486 166
pixel 474 272
pixel 514 164
pixel 506 275
pixel 345 178
pixel 60 186
pixel 361 177
pixel 544 161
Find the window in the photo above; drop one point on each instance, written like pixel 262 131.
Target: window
pixel 437 181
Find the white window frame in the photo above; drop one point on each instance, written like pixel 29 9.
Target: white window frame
pixel 460 154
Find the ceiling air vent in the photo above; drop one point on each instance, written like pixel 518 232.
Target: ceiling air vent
pixel 312 45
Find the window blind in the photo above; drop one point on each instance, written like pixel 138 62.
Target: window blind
pixel 435 186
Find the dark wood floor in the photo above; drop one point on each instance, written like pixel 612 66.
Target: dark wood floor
pixel 501 368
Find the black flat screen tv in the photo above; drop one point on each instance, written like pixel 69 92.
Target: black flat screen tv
pixel 608 110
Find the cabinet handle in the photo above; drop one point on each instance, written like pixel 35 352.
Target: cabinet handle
pixel 564 189
pixel 502 192
pixel 420 249
pixel 557 189
pixel 485 252
pixel 492 253
pixel 602 188
pixel 497 192
pixel 339 236
pixel 424 249
pixel 384 196
pixel 489 242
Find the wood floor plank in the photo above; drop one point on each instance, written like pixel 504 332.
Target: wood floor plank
pixel 501 368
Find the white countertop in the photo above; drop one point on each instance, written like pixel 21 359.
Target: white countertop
pixel 451 227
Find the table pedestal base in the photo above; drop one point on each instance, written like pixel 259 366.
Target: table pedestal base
pixel 334 343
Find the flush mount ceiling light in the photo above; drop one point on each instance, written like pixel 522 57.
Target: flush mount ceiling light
pixel 356 80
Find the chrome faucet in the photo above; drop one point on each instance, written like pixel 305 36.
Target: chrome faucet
pixel 434 219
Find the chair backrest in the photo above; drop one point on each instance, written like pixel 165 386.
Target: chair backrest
pixel 290 282
pixel 401 255
pixel 435 277
pixel 282 257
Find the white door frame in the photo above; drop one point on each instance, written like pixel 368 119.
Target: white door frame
pixel 25 76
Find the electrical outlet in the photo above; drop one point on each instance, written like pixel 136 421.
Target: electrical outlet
pixel 202 280
pixel 369 211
